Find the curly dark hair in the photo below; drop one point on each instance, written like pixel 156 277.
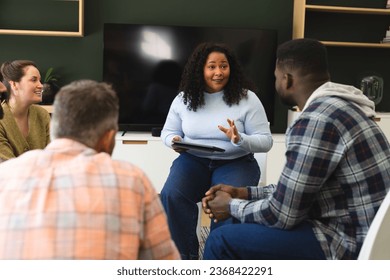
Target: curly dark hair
pixel 193 84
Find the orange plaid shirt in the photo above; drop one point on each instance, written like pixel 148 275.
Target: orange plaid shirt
pixel 69 202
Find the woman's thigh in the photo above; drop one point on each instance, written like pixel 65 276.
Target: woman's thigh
pixel 188 176
pixel 238 173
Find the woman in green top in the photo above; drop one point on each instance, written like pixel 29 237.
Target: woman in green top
pixel 3 90
pixel 25 126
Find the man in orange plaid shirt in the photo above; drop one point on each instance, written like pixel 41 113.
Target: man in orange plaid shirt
pixel 71 200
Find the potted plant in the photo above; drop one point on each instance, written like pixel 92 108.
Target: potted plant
pixel 50 86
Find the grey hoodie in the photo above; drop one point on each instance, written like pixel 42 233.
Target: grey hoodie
pixel 346 92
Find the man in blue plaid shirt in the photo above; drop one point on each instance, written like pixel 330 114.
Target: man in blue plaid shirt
pixel 336 175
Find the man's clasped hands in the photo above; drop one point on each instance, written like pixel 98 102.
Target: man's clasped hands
pixel 217 199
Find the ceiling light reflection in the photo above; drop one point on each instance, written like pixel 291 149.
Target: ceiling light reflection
pixel 154 45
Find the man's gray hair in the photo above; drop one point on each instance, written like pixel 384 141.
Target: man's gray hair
pixel 83 111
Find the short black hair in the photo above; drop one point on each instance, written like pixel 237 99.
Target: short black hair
pixel 309 56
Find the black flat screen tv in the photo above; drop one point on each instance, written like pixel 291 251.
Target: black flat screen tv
pixel 144 65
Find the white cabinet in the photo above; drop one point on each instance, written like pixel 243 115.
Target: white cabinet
pixel 276 159
pixel 262 161
pixel 154 158
pixel 146 152
pixel 384 123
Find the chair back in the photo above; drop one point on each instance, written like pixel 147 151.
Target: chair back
pixel 376 245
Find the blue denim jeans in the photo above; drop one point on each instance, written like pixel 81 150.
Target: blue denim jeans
pixel 190 177
pixel 262 243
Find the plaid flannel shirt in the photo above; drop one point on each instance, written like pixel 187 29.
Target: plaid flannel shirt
pixel 69 202
pixel 337 173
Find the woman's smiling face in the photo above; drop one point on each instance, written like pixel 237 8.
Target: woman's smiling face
pixel 29 88
pixel 216 72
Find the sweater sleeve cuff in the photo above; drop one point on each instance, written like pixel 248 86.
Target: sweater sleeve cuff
pixel 239 141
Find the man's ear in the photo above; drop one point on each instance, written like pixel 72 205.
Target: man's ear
pixel 289 80
pixel 106 143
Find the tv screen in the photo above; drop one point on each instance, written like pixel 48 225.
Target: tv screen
pixel 144 65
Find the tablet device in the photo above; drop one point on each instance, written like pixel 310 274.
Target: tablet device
pixel 198 147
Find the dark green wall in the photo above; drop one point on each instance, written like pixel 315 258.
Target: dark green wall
pixel 77 58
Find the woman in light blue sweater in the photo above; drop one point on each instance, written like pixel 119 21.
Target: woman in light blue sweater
pixel 217 107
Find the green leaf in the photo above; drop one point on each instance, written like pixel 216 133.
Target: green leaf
pixel 48 75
